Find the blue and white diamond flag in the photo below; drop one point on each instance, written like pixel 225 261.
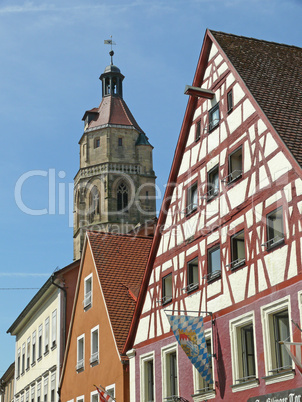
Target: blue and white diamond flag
pixel 189 333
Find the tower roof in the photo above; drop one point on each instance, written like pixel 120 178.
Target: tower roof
pixel 112 111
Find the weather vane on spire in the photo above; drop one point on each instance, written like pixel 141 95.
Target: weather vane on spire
pixel 110 42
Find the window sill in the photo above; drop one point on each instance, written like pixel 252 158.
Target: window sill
pixel 213 128
pixel 275 245
pixel 274 378
pixel 192 289
pixel 212 197
pixel 54 346
pixel 237 266
pixel 214 277
pixel 17 378
pixel 234 181
pixel 245 385
pixel 39 359
pixel 204 396
pixel 88 307
pixel 164 303
pixel 190 213
pixel 33 364
pixel 46 352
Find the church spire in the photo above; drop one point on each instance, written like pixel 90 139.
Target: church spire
pixel 112 78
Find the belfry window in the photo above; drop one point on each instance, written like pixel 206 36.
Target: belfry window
pixel 122 198
pixel 94 202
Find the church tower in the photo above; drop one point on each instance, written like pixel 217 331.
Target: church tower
pixel 114 189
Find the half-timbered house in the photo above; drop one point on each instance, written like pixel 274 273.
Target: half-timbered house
pixel 228 241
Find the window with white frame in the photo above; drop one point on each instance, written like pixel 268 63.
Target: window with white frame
pixel 32 394
pixel 39 391
pixel 46 335
pixel 170 372
pixel 54 329
pixel 23 358
pixel 110 389
pixel 167 289
pixel 201 386
pixel 40 342
pixel 53 387
pixel 276 330
pixel 45 389
pixel 147 377
pixel 87 291
pixel 214 117
pixel 27 395
pixel 274 228
pixel 192 199
pixel 18 362
pixel 80 398
pixel 80 352
pixel 28 353
pixel 22 397
pixel 237 250
pixel 243 349
pixel 192 275
pixel 33 348
pixel 94 358
pixel 94 396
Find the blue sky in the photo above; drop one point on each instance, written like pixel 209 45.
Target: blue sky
pixel 52 54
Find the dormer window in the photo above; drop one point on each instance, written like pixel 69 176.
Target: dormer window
pixel 214 117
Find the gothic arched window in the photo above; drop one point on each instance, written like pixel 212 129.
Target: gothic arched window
pixel 94 202
pixel 122 197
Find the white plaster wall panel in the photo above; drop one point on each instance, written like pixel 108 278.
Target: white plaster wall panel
pixel 238 284
pixel 261 127
pixel 215 76
pixel 172 239
pixel 174 194
pixel 222 69
pixel 248 109
pixel 223 157
pixel 181 260
pixel 252 189
pixel 252 133
pixel 142 330
pixel 203 150
pixel 293 269
pixel 298 184
pixel 237 193
pixel 270 145
pixel 168 222
pixel 197 113
pixel 288 192
pixel 193 301
pixel 279 165
pixel 213 140
pixel 152 329
pixel 262 284
pixel 275 264
pixel 147 303
pixel 201 222
pixel 212 208
pixel 207 73
pixel 213 51
pixel 202 175
pixel 166 265
pixel 239 139
pixel 157 273
pixel 191 250
pixel 218 60
pixel 166 325
pixel 160 248
pixel 223 132
pixel 224 208
pixel 247 157
pixel 191 179
pixel 224 234
pixel 249 216
pixel 213 237
pixel 252 287
pixel 165 239
pixel 185 163
pixel 275 197
pixel 191 136
pixel 194 156
pixel 234 119
pixel 220 302
pixel 263 178
pixel 238 93
pixel 299 205
pixel 189 226
pixel 229 80
pixel 236 222
pixel 213 162
pixel 151 280
pixel 158 329
pixel 214 288
pixel 202 247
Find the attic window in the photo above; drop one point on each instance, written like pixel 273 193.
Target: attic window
pixel 230 101
pixel 214 117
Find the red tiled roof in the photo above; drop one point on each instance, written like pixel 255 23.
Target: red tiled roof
pixel 273 74
pixel 113 110
pixel 120 261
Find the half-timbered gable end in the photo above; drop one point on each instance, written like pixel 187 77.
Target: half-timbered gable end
pixel 229 232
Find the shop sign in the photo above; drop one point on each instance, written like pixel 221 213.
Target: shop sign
pixel 291 395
